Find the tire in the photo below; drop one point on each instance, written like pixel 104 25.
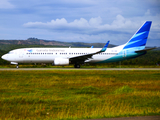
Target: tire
pixel 77 66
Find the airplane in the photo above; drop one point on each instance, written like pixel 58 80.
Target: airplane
pixel 65 56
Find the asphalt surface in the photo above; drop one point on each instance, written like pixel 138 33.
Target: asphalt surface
pixel 133 118
pixel 80 69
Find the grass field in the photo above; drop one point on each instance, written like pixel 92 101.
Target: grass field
pixel 78 94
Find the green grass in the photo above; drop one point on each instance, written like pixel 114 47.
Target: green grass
pixel 70 94
pixel 123 90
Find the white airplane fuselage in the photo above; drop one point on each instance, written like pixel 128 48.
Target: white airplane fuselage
pixel 48 55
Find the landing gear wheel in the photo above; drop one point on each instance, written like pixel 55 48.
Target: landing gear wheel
pixel 77 66
pixel 17 66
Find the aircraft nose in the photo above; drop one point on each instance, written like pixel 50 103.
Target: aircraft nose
pixel 4 57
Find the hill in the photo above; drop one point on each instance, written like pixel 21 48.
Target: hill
pixel 47 43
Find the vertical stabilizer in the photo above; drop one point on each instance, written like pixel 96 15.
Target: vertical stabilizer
pixel 139 39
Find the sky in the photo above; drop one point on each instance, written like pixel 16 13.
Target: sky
pixel 89 21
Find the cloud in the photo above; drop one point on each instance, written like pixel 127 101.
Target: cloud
pixel 83 26
pixel 78 20
pixel 5 4
pixel 148 12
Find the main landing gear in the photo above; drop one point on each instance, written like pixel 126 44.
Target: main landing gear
pixel 77 66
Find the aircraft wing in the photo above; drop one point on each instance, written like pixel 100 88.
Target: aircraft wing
pixel 146 49
pixel 82 58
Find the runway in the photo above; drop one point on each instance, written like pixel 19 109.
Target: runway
pixel 106 69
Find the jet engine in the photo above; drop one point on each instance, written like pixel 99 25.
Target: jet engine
pixel 61 61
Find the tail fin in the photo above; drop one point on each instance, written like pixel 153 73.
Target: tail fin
pixel 139 39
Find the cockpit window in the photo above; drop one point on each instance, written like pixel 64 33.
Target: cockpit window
pixel 11 53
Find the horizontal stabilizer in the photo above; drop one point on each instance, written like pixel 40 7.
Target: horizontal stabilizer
pixel 146 49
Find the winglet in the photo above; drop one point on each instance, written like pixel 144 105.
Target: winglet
pixel 105 47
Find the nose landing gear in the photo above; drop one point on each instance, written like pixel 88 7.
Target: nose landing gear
pixel 17 66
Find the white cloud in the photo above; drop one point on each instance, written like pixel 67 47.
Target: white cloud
pixel 5 4
pixel 95 21
pixel 83 26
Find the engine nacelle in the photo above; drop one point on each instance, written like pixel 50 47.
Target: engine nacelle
pixel 14 63
pixel 61 61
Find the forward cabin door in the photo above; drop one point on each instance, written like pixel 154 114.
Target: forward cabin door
pixel 20 55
